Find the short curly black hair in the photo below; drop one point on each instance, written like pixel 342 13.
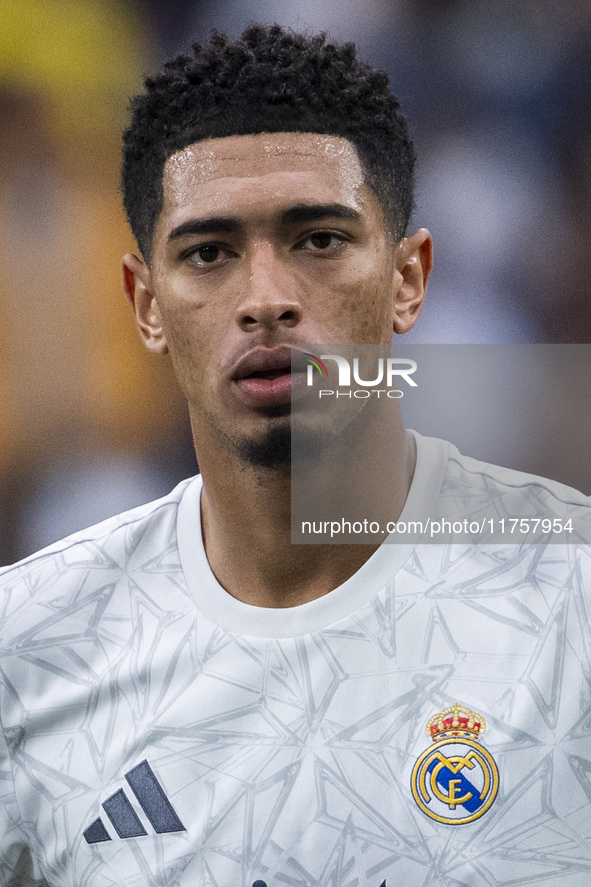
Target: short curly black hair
pixel 268 80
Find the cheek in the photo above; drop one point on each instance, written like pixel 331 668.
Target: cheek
pixel 364 310
pixel 365 297
pixel 186 327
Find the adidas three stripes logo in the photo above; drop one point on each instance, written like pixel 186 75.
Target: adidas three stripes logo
pixel 125 821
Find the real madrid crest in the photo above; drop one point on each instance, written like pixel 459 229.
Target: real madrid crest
pixel 456 780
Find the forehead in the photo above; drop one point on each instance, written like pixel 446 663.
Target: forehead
pixel 261 171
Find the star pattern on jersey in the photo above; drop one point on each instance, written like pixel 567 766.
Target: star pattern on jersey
pixel 288 760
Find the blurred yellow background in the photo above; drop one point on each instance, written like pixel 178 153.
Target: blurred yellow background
pixel 75 381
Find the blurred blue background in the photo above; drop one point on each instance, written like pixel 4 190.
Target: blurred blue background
pixel 498 98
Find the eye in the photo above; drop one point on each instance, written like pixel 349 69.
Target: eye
pixel 323 241
pixel 206 254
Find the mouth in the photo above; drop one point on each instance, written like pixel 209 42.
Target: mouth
pixel 265 363
pixel 271 375
pixel 265 377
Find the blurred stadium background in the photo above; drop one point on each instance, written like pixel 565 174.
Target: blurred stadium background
pixel 499 100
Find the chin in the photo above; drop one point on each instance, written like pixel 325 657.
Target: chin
pixel 273 451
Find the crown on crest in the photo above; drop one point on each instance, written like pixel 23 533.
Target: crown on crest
pixel 455 721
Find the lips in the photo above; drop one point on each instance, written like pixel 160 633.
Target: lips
pixel 264 363
pixel 264 377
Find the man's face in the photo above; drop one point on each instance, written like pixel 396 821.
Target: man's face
pixel 264 242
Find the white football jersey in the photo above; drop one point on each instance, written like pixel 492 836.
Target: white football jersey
pixel 428 722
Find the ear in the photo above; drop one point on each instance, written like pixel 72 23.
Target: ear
pixel 413 261
pixel 137 283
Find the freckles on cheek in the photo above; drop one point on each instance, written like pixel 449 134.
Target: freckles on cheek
pixel 182 315
pixel 365 310
pixel 184 336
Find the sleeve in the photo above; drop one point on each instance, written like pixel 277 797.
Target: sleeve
pixel 18 867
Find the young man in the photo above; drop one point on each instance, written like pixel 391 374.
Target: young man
pixel 187 697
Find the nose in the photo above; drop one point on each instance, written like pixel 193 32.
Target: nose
pixel 269 298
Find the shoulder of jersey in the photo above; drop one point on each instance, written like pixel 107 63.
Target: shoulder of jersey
pixel 518 483
pixel 93 538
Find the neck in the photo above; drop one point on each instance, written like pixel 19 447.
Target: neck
pixel 246 514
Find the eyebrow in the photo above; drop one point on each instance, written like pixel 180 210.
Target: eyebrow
pixel 301 212
pixel 211 225
pixel 313 212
